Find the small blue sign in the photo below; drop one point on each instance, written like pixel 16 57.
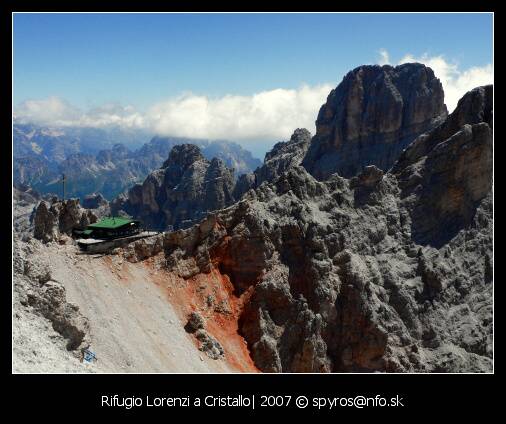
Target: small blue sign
pixel 89 356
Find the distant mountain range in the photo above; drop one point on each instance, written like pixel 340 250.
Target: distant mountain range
pixel 105 161
pixel 56 144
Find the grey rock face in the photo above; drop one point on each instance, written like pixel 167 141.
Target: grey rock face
pixel 51 302
pixel 181 192
pixel 372 116
pixel 36 291
pixel 439 211
pixel 60 217
pixel 145 249
pixel 45 223
pixel 244 183
pixel 283 156
pixel 383 272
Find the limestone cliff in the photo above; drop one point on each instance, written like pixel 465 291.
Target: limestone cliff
pixel 372 116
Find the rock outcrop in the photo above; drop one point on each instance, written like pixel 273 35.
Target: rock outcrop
pixel 372 116
pixel 53 219
pixel 181 192
pixel 283 156
pixel 208 344
pixel 387 272
pixel 37 292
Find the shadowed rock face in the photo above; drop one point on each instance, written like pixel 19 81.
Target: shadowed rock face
pixel 381 272
pixel 181 192
pixel 446 172
pixel 372 116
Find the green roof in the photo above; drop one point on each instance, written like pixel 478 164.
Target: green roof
pixel 114 222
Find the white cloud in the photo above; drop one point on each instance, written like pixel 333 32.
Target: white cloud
pixel 267 115
pixel 113 114
pixel 456 82
pixel 51 110
pixel 272 114
pixel 57 112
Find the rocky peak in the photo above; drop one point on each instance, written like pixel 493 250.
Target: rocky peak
pixel 283 155
pixel 182 156
pixel 372 115
pixel 181 192
pixel 299 141
pixel 181 159
pixel 216 165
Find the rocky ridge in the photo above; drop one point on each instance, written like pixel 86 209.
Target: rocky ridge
pixel 283 155
pixel 381 272
pixel 377 267
pixel 187 185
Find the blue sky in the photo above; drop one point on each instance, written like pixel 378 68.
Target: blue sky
pixel 141 60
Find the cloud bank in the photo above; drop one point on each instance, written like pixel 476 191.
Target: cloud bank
pixel 264 116
pixel 57 112
pixel 456 82
pixel 267 115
